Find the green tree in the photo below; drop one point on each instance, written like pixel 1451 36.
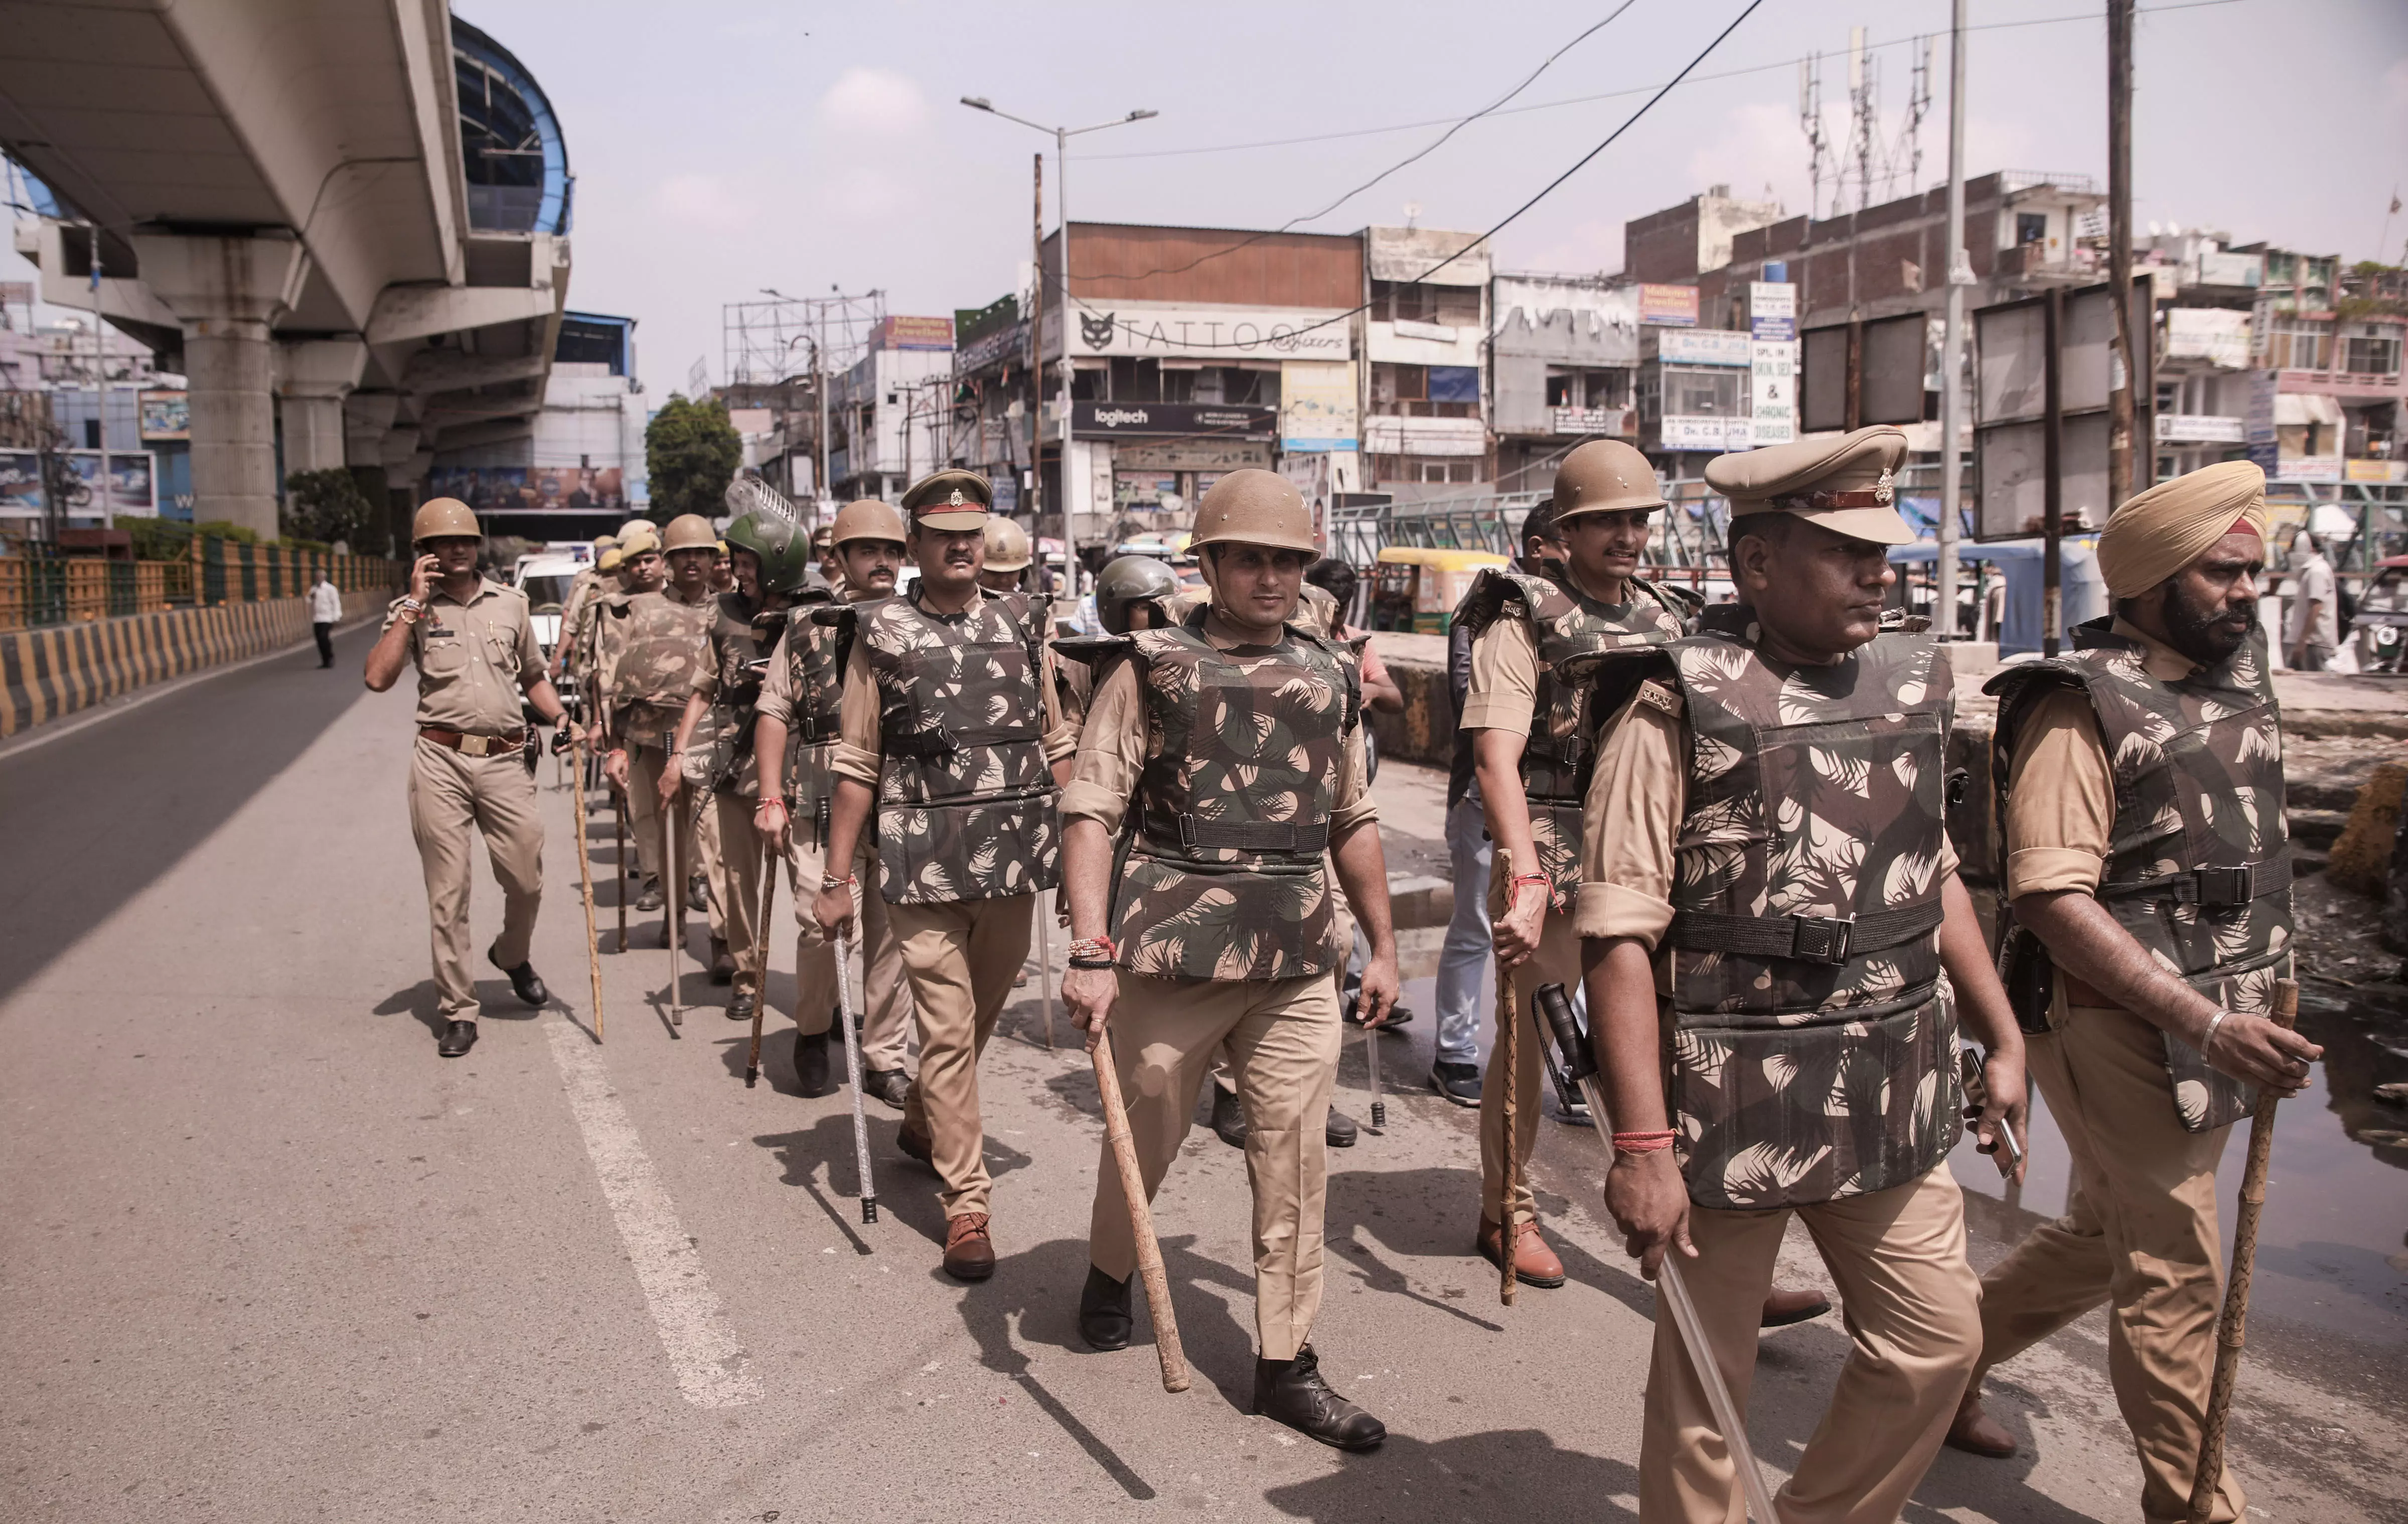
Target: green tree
pixel 690 452
pixel 325 506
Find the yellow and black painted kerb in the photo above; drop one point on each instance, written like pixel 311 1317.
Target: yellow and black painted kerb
pixel 53 671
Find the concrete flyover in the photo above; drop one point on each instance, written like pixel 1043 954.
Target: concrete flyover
pixel 348 216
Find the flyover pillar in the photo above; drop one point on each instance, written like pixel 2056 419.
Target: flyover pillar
pixel 313 378
pixel 225 289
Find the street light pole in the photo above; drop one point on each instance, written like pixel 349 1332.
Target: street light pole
pixel 1952 342
pixel 1061 136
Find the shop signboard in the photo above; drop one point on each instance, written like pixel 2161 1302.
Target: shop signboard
pixel 1168 419
pixel 1223 334
pixel 1772 310
pixel 1706 346
pixel 1773 387
pixel 907 333
pixel 1698 433
pixel 1318 404
pixel 2257 422
pixel 1667 306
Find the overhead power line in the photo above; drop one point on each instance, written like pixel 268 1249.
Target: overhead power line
pixel 1607 95
pixel 1545 191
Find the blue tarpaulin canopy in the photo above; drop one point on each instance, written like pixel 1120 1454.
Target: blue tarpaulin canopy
pixel 2085 594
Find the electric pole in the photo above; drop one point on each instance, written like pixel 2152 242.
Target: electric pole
pixel 2122 448
pixel 1951 343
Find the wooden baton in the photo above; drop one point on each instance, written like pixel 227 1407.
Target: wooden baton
pixel 2232 1329
pixel 760 955
pixel 1149 1249
pixel 1509 1058
pixel 585 880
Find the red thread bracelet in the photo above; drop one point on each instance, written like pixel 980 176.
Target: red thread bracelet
pixel 1643 1142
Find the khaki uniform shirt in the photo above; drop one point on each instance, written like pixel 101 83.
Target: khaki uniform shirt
pixel 1113 748
pixel 861 748
pixel 470 657
pixel 1632 819
pixel 2061 800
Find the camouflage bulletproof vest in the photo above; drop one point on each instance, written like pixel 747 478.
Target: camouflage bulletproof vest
pixel 719 754
pixel 966 801
pixel 2198 867
pixel 819 641
pixel 1224 873
pixel 1566 624
pixel 657 649
pixel 1813 1041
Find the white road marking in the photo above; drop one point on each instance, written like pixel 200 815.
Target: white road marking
pixel 712 1368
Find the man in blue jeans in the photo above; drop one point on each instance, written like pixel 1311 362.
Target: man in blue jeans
pixel 1463 960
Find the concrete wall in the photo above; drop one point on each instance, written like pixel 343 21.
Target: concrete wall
pixel 48 673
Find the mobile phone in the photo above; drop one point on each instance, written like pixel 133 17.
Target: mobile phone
pixel 1972 1065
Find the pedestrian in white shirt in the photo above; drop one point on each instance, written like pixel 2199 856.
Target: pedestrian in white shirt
pixel 325 608
pixel 2314 624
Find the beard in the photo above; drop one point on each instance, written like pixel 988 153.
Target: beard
pixel 2206 632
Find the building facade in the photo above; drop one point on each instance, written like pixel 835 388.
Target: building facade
pixel 1563 355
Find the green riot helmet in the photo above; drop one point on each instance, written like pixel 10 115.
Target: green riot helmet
pixel 782 547
pixel 1130 580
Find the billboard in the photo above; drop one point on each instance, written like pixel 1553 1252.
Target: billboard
pixel 1159 420
pixel 1318 406
pixel 902 333
pixel 1772 310
pixel 133 487
pixel 1667 306
pixel 166 415
pixel 21 485
pixel 541 489
pixel 1773 385
pixel 1213 333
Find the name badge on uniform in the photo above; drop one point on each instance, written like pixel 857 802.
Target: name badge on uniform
pixel 1657 696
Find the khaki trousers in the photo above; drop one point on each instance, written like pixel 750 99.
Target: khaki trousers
pixel 709 855
pixel 961 959
pixel 1282 1037
pixel 735 872
pixel 880 997
pixel 1557 961
pixel 2138 1233
pixel 450 796
pixel 644 764
pixel 1912 1312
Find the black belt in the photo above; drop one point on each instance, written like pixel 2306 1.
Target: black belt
pixel 1807 938
pixel 940 742
pixel 470 745
pixel 1254 836
pixel 2234 885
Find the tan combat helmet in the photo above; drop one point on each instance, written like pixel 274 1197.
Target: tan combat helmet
pixel 443 518
pixel 1253 507
pixel 868 518
pixel 1007 546
pixel 689 532
pixel 1605 476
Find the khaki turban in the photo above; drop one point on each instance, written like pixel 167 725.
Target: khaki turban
pixel 2159 532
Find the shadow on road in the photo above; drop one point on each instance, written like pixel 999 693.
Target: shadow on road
pixel 1503 1473
pixel 94 818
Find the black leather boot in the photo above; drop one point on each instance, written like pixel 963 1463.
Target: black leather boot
pixel 812 1064
pixel 1104 1315
pixel 1228 1117
pixel 1293 1394
pixel 524 983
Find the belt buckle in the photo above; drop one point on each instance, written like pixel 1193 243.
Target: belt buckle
pixel 1820 939
pixel 1187 832
pixel 475 745
pixel 2225 887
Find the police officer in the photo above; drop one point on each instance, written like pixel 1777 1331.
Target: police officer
pixel 2151 904
pixel 474 645
pixel 652 647
pixel 1763 852
pixel 584 589
pixel 1226 754
pixel 801 715
pixel 1006 556
pixel 1530 728
pixel 952 728
pixel 768 560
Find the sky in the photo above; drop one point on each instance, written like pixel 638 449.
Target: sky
pixel 725 146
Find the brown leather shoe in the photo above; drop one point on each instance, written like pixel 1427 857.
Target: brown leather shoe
pixel 1534 1263
pixel 969 1253
pixel 1785 1305
pixel 1974 1432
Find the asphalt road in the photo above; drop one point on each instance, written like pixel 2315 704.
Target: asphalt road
pixel 265 1256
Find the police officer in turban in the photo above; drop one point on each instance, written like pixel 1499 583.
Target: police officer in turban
pixel 2151 916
